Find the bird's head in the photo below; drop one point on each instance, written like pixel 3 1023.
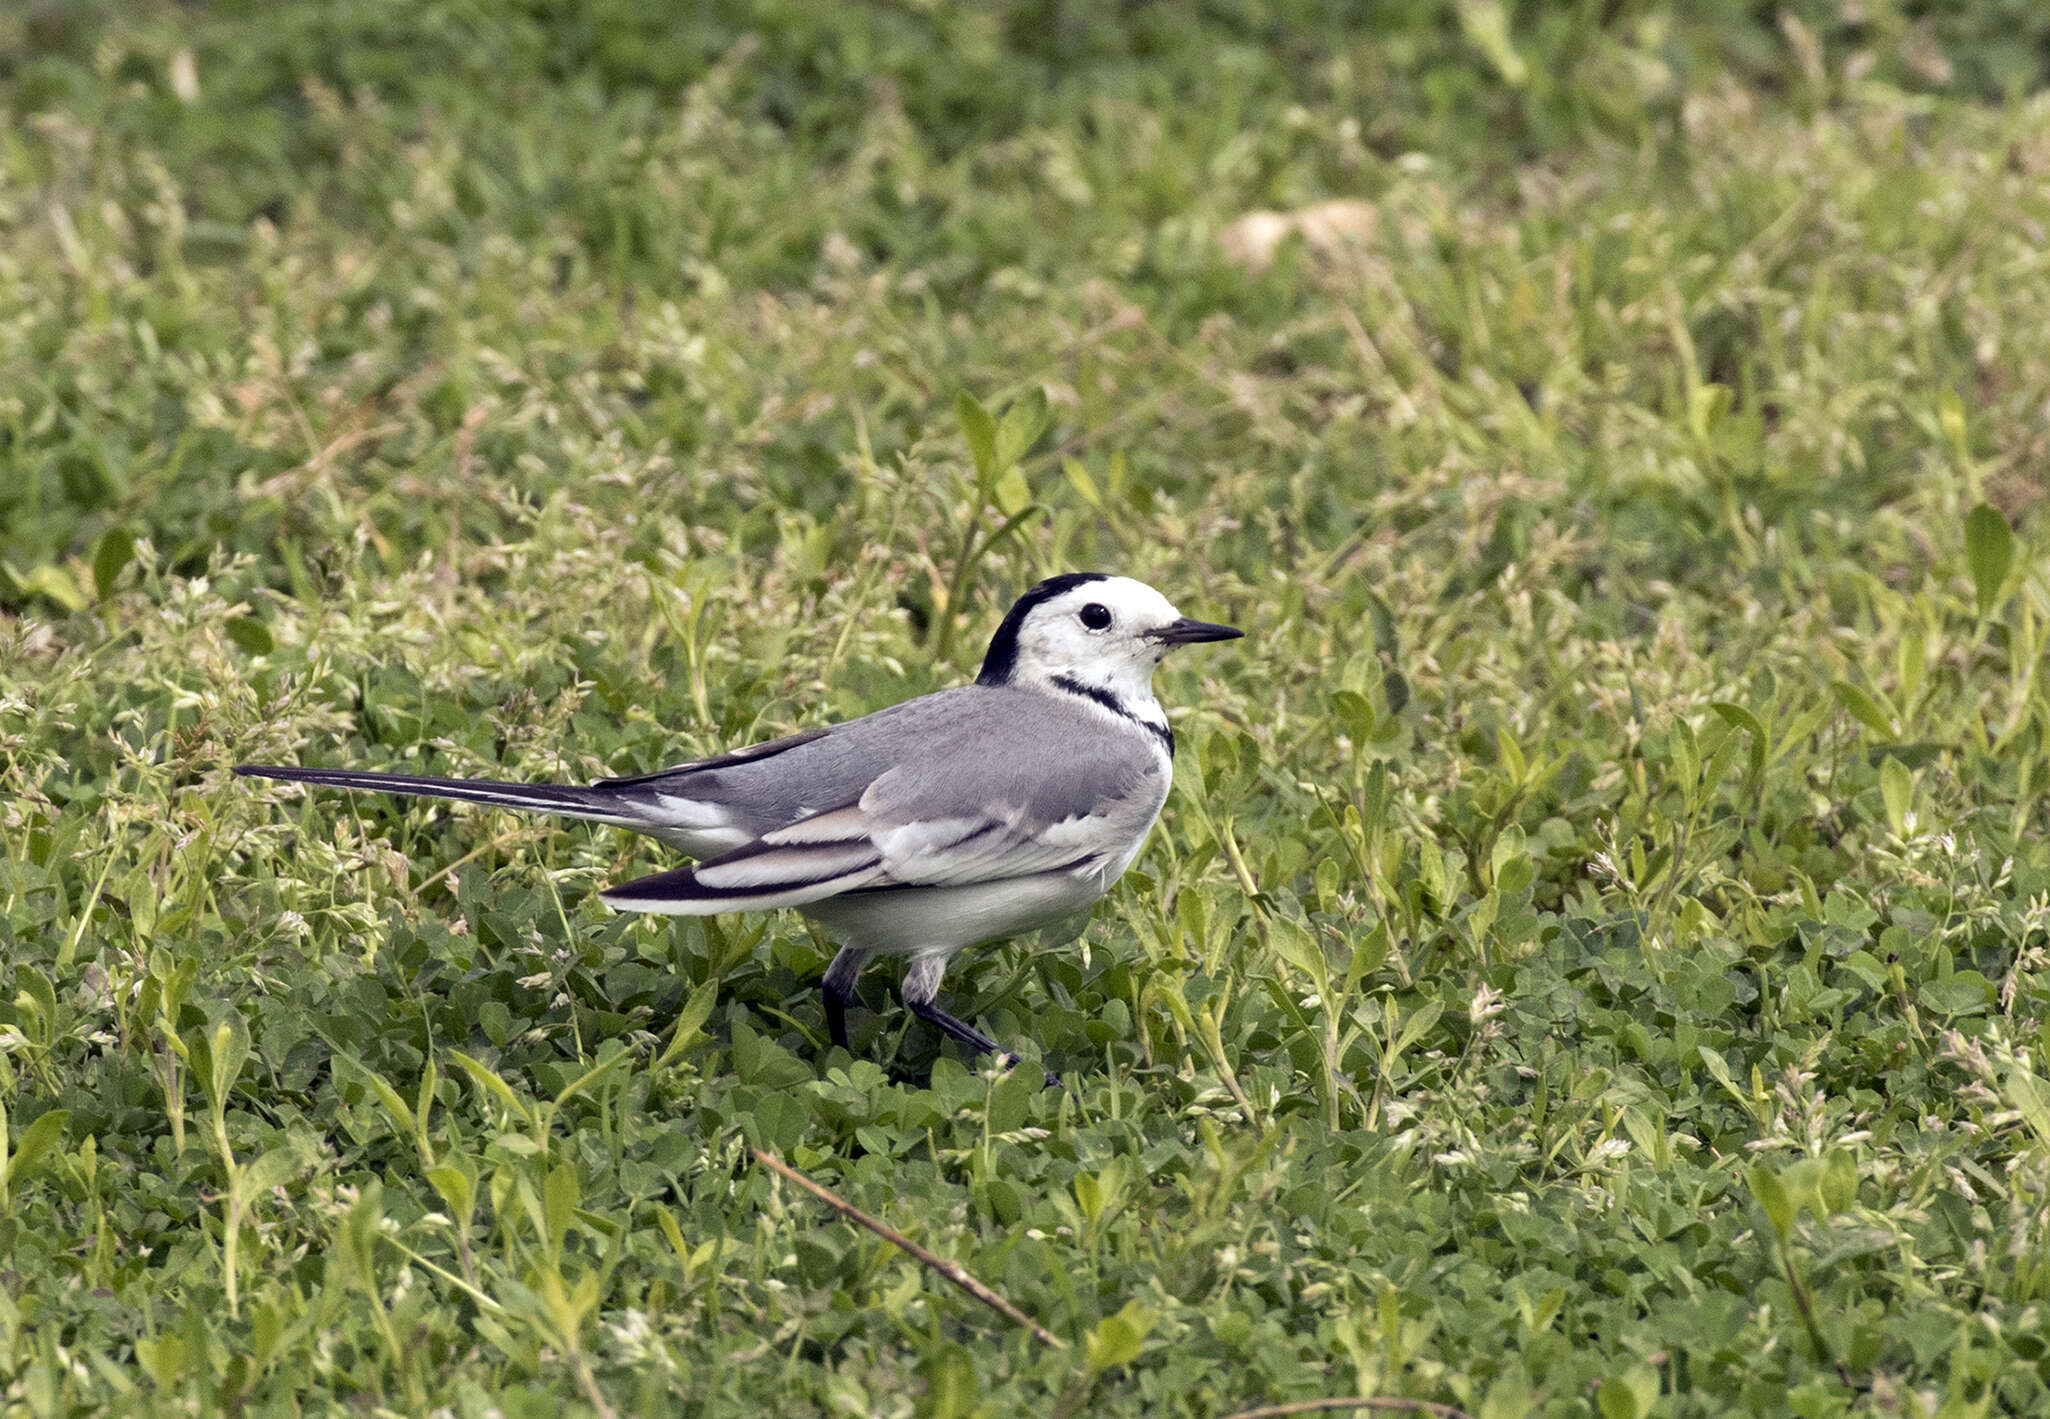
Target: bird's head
pixel 1107 632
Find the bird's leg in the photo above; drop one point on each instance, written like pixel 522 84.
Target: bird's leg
pixel 836 1019
pixel 960 1029
pixel 838 989
pixel 921 991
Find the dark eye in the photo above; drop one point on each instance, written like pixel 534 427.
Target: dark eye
pixel 1096 617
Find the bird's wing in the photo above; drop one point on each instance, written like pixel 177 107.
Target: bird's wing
pixel 960 812
pixel 729 801
pixel 849 849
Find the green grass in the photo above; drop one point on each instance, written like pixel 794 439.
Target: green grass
pixel 1595 960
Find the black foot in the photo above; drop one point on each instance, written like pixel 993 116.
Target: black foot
pixel 960 1030
pixel 964 1033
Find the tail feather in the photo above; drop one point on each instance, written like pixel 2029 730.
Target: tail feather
pixel 686 892
pixel 568 800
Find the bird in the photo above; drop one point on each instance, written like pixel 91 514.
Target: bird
pixel 955 819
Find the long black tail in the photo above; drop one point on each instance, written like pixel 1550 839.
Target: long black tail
pixel 568 800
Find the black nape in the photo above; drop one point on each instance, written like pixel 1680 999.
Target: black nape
pixel 1002 660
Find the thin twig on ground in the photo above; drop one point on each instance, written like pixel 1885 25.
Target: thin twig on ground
pixel 952 1270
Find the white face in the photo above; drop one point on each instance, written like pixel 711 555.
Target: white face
pixel 1084 632
pixel 1103 633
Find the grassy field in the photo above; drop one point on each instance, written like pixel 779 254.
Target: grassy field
pixel 1594 962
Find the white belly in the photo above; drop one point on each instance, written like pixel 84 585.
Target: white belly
pixel 925 920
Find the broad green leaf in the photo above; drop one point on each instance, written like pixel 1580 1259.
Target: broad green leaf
pixel 1738 717
pixel 357 1235
pixel 1355 712
pixel 458 1188
pixel 1084 485
pixel 1706 405
pixel 590 1077
pixel 560 1193
pixel 400 1112
pixel 1719 1070
pixel 1431 872
pixel 1989 552
pixel 36 1000
pixel 1329 874
pixel 1419 1024
pixel 1964 993
pixel 1486 23
pixel 1166 992
pixel 1021 427
pixel 2030 1097
pixel 227 1051
pixel 52 582
pixel 35 1143
pixel 1088 1196
pixel 1685 755
pixel 1649 1136
pixel 139 891
pixel 163 1358
pixel 1797 731
pixel 1296 946
pixel 1617 1400
pixel 1911 661
pixel 1513 762
pixel 250 634
pixel 1369 954
pixel 482 1076
pixel 273 1169
pixel 1864 708
pixel 115 550
pixel 667 1225
pixel 1897 792
pixel 690 1022
pixel 1630 1395
pixel 1868 968
pixel 423 1100
pixel 1013 494
pixel 1950 417
pixel 1395 694
pixel 1837 1188
pixel 950 1384
pixel 1509 1397
pixel 567 1304
pixel 1117 1339
pixel 1720 760
pixel 1802 1180
pixel 1771 1196
pixel 1480 917
pixel 981 432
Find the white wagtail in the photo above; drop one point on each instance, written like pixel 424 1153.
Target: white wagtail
pixel 966 816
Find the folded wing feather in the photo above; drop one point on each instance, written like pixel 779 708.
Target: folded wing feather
pixel 846 850
pixel 1054 800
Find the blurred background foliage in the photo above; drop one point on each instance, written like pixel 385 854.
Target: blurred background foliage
pixel 165 162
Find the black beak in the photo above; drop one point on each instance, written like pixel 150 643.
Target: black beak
pixel 1187 632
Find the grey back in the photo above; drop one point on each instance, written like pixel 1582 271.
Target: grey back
pixel 950 754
